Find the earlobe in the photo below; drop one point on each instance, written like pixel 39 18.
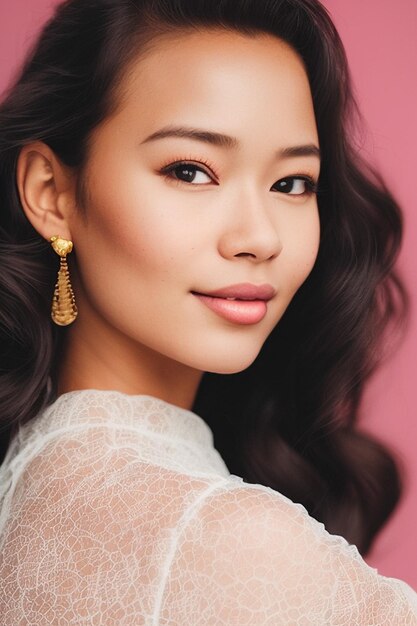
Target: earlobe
pixel 41 184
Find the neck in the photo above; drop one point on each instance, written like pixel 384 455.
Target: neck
pixel 97 356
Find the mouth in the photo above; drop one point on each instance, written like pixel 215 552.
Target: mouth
pixel 242 291
pixel 197 293
pixel 237 310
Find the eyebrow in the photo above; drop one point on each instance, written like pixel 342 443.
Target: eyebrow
pixel 226 141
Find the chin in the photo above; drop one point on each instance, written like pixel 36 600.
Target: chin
pixel 229 363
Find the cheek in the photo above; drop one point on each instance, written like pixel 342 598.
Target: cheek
pixel 143 218
pixel 140 265
pixel 134 233
pixel 302 249
pixel 137 253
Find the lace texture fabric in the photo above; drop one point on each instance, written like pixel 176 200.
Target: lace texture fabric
pixel 118 510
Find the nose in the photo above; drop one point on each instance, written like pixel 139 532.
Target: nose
pixel 250 230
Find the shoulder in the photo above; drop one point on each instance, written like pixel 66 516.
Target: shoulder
pixel 251 507
pixel 250 545
pixel 93 482
pixel 88 529
pixel 100 461
pixel 263 520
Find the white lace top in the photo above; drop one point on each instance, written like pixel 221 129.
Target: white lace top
pixel 118 510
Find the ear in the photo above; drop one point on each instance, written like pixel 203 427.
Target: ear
pixel 46 189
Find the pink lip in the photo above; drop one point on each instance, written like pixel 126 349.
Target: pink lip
pixel 249 308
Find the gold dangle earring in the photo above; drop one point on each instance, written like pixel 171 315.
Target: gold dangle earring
pixel 64 310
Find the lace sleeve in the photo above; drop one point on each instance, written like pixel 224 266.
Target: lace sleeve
pixel 92 534
pixel 88 526
pixel 252 556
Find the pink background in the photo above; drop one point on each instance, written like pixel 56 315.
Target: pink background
pixel 380 37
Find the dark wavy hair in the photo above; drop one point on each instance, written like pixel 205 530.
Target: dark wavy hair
pixel 288 420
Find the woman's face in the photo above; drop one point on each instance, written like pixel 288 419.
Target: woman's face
pixel 237 213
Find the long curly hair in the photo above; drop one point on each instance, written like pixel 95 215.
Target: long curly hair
pixel 289 420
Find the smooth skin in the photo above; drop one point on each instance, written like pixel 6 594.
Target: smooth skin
pixel 151 238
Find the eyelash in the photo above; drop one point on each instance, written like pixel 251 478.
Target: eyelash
pixel 311 183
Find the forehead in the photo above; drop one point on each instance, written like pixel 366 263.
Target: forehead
pixel 221 79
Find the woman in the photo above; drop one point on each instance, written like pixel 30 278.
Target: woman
pixel 178 156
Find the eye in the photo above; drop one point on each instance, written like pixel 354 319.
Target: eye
pixel 297 185
pixel 190 173
pixel 185 172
